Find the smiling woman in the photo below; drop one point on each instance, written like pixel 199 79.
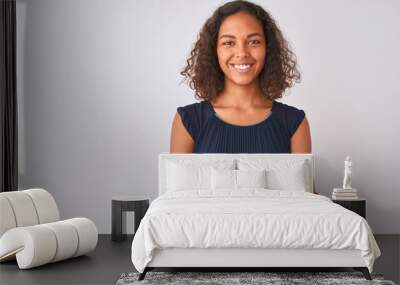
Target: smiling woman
pixel 238 67
pixel 241 56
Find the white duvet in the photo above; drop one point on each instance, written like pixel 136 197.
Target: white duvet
pixel 250 218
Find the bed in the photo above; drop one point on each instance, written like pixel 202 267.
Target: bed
pixel 245 211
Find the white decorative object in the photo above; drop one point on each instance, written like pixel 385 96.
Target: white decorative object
pixel 347 173
pixel 32 233
pixel 346 192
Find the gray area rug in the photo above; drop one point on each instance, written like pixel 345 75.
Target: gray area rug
pixel 273 278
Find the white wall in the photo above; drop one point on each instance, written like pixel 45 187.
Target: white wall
pixel 99 84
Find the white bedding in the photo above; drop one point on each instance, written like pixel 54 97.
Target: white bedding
pixel 250 218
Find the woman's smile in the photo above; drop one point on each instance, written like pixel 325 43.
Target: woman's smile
pixel 241 68
pixel 241 49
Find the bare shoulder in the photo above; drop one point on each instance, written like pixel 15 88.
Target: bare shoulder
pixel 301 139
pixel 180 141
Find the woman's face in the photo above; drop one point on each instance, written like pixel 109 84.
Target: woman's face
pixel 241 48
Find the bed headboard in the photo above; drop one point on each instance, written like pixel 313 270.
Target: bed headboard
pixel 163 159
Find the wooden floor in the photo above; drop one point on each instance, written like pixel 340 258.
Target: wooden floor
pixel 111 259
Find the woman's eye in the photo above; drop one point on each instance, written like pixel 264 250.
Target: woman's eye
pixel 228 43
pixel 254 42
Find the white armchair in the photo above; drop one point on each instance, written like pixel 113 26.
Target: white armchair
pixel 32 233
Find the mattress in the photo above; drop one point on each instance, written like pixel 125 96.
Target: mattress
pixel 250 218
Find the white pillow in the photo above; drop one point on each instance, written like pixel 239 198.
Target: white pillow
pixel 188 175
pixel 223 178
pixel 237 179
pixel 282 174
pixel 288 179
pixel 251 178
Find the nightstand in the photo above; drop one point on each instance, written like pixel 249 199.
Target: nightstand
pixel 358 206
pixel 120 204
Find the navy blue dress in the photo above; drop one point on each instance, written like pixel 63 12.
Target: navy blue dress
pixel 213 135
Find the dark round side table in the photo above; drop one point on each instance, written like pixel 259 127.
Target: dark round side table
pixel 120 204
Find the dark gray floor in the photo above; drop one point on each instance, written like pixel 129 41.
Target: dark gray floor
pixel 103 266
pixel 111 259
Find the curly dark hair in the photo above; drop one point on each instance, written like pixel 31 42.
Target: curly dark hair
pixel 203 73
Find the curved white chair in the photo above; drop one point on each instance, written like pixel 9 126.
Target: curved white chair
pixel 32 233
